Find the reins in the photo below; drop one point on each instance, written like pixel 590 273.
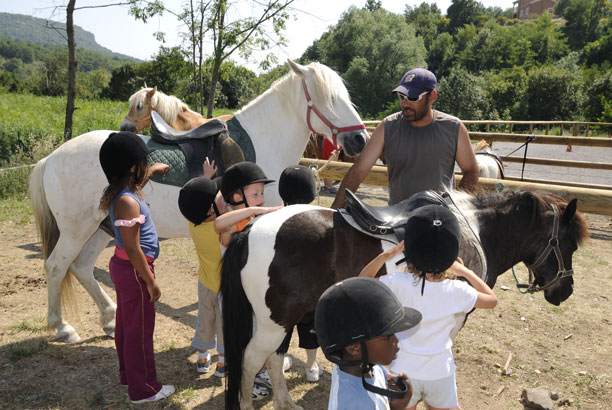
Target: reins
pixel 314 168
pixel 525 144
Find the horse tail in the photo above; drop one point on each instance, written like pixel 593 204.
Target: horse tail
pixel 47 228
pixel 237 315
pixel 48 231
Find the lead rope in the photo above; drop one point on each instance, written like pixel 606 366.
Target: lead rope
pixel 314 168
pixel 498 188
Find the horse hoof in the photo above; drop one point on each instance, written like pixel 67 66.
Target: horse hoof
pixel 67 335
pixel 110 332
pixel 109 329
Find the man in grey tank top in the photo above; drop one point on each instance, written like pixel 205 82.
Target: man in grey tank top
pixel 420 145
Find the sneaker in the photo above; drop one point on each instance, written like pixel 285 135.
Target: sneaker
pixel 203 363
pixel 165 391
pixel 312 374
pixel 287 363
pixel 220 370
pixel 263 379
pixel 259 392
pixel 329 190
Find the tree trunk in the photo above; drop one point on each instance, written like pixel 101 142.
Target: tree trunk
pixel 192 30
pixel 72 67
pixel 201 56
pixel 214 77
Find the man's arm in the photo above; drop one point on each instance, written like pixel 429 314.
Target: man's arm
pixel 466 160
pixel 362 165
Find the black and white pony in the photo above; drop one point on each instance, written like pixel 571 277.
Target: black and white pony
pixel 275 270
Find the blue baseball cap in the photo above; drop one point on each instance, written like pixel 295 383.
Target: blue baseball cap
pixel 417 81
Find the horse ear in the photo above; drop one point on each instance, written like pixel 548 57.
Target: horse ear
pixel 570 210
pixel 152 92
pixel 297 68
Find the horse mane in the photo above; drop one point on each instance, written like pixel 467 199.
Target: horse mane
pixel 167 106
pixel 327 86
pixel 482 144
pixel 509 201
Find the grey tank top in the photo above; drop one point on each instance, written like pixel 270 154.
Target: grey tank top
pixel 420 158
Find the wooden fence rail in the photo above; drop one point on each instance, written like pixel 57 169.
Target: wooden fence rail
pixel 597 201
pixel 573 125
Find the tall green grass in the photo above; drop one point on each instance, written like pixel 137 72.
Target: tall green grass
pixel 31 127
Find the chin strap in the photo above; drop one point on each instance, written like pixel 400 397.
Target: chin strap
pixel 244 201
pixel 366 367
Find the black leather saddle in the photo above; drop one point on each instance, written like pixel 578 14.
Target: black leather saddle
pixel 382 220
pixel 197 144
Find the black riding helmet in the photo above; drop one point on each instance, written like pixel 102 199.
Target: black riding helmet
pixel 238 176
pixel 297 185
pixel 431 239
pixel 119 152
pixel 195 199
pixel 356 310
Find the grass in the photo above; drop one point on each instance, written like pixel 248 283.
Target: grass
pixel 20 350
pixel 35 325
pixel 16 209
pixel 31 127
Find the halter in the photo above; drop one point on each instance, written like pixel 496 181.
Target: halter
pixel 335 130
pixel 148 117
pixel 553 245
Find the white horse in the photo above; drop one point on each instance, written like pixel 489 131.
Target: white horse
pixel 67 185
pixel 489 163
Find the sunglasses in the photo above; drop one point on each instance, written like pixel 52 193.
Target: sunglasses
pixel 404 97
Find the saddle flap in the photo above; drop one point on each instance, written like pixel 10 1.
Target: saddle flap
pixel 163 133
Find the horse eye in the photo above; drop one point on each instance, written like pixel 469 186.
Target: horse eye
pixel 139 106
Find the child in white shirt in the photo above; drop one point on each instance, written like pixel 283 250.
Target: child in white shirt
pixel 430 241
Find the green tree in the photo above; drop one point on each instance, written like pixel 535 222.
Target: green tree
pixel 125 80
pixel 427 20
pixel 371 50
pixel 598 93
pixel 55 77
pixel 505 92
pixel 553 93
pixel 462 12
pixel 461 94
pixel 585 20
pixel 441 54
pixel 259 31
pixel 373 5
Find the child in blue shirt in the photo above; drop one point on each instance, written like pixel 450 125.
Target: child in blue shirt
pixel 356 321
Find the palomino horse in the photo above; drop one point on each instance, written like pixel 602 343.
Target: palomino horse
pixel 489 163
pixel 275 270
pixel 176 113
pixel 67 185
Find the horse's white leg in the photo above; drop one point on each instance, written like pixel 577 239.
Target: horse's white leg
pixel 282 399
pixel 263 344
pixel 83 267
pixel 56 268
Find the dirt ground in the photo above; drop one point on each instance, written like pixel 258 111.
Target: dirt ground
pixel 565 348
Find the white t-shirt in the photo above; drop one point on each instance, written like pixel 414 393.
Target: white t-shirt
pixel 425 350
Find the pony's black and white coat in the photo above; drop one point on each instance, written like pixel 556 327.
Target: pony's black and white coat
pixel 275 270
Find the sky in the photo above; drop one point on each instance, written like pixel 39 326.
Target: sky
pixel 116 30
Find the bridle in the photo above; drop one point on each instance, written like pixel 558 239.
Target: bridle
pixel 148 117
pixel 335 130
pixel 552 246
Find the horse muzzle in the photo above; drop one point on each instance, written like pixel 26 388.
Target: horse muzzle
pixel 127 125
pixel 354 141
